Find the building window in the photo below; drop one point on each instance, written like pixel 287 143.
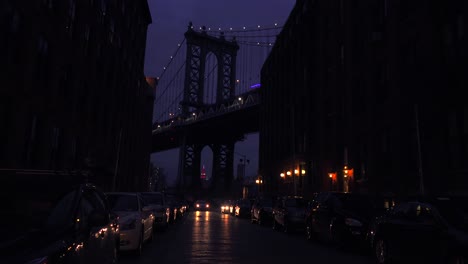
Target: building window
pixel 86 39
pixel 452 124
pixel 42 62
pixel 71 16
pixel 42 46
pixel 48 3
pixel 342 54
pixel 103 7
pixel 341 12
pixel 460 26
pixel 385 143
pixel 31 140
pixel 385 7
pixel 111 31
pixel 15 22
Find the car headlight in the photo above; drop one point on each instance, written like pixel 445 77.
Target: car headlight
pixel 352 222
pixel 131 224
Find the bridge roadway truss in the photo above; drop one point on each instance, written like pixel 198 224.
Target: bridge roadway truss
pixel 219 125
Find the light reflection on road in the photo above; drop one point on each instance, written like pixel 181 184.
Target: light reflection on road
pixel 210 242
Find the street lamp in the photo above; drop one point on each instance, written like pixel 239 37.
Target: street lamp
pixel 259 182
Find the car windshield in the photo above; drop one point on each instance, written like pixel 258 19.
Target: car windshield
pixel 150 198
pixel 36 210
pixel 123 202
pixel 455 212
pixel 359 204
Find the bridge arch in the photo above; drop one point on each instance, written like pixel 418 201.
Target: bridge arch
pixel 199 45
pixel 210 79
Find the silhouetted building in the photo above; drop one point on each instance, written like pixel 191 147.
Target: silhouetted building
pixel 374 85
pixel 73 93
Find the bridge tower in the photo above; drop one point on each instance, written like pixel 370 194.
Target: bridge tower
pixel 199 44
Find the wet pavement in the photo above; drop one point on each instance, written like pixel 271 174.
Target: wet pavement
pixel 212 237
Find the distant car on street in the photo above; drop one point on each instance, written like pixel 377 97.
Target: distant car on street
pixel 202 205
pixel 242 208
pixel 226 206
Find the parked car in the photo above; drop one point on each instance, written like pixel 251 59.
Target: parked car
pixel 225 206
pixel 55 217
pixel 242 208
pixel 136 220
pixel 262 211
pixel 422 230
pixel 161 210
pixel 342 218
pixel 202 205
pixel 232 207
pixel 174 208
pixel 289 212
pixel 181 208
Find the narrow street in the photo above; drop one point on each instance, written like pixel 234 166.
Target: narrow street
pixel 212 237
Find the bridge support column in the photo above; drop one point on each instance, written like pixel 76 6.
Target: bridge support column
pixel 189 168
pixel 223 159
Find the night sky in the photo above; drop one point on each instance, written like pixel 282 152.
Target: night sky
pixel 170 21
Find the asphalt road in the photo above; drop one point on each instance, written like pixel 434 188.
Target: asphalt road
pixel 212 237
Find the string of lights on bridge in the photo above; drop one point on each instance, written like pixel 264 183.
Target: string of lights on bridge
pixel 256 42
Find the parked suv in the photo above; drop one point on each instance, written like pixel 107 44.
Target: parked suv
pixel 261 211
pixel 438 226
pixel 161 210
pixel 289 212
pixel 55 217
pixel 342 217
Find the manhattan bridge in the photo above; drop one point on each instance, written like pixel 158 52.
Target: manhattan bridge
pixel 209 94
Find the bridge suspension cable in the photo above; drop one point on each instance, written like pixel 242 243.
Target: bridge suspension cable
pixel 255 44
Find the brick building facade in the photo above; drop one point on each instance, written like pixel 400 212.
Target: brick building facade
pixel 73 93
pixel 372 85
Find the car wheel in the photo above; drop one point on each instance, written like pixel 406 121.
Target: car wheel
pixel 336 237
pixel 139 248
pixel 150 239
pixel 115 256
pixel 382 251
